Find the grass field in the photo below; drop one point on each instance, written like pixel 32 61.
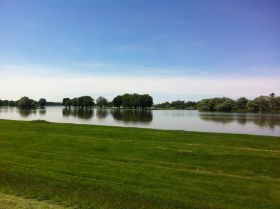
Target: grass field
pixel 82 166
pixel 12 202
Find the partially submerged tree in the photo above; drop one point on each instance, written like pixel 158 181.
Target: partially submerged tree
pixel 85 101
pixel 269 103
pixel 101 102
pixel 118 101
pixel 66 102
pixel 25 102
pixel 42 102
pixel 133 101
pixel 81 102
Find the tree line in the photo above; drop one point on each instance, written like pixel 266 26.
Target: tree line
pixel 270 103
pixel 133 101
pixel 179 104
pixel 85 102
pixel 24 102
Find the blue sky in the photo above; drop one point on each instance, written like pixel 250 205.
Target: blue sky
pixel 165 48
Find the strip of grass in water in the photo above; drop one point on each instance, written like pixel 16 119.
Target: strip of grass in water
pixel 85 166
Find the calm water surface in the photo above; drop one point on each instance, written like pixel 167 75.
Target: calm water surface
pixel 191 120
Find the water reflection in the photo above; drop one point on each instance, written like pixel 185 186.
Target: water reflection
pixel 26 113
pixel 216 119
pixel 42 111
pixel 78 112
pixel 145 116
pixel 4 109
pixel 250 123
pixel 261 120
pixel 102 113
pixel 270 122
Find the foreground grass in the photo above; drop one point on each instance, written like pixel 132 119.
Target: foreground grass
pixel 84 166
pixel 12 202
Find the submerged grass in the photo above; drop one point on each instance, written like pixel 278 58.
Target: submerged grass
pixel 84 166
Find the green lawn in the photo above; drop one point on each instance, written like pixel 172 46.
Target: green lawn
pixel 83 166
pixel 12 202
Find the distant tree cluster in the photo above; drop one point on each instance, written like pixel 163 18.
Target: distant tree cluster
pixel 189 105
pixel 53 104
pixel 133 101
pixel 126 101
pixel 269 103
pixel 24 102
pixel 7 103
pixel 81 102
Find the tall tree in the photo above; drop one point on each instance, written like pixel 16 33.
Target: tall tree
pixel 42 102
pixel 118 101
pixel 101 101
pixel 66 102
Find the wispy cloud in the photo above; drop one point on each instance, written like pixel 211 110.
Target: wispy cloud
pixel 54 83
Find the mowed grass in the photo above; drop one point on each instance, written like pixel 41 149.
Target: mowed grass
pixel 83 166
pixel 12 202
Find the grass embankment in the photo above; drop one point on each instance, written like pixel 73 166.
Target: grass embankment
pixel 84 166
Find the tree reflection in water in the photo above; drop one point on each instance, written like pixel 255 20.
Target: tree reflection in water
pixel 42 111
pixel 102 113
pixel 78 112
pixel 25 113
pixel 261 120
pixel 144 116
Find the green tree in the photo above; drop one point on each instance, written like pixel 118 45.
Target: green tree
pixel 74 102
pixel 101 101
pixel 190 105
pixel 273 100
pixel 216 104
pixel 5 102
pixel 42 102
pixel 227 106
pixel 12 103
pixel 86 101
pixel 127 101
pixel 241 103
pixel 277 103
pixel 252 106
pixel 206 105
pixel 118 101
pixel 263 103
pixel 25 102
pixel 66 102
pixel 146 101
pixel 135 100
pixel 178 104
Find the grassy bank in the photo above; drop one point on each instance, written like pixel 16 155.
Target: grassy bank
pixel 82 166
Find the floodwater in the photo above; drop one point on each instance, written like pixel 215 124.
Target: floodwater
pixel 189 120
